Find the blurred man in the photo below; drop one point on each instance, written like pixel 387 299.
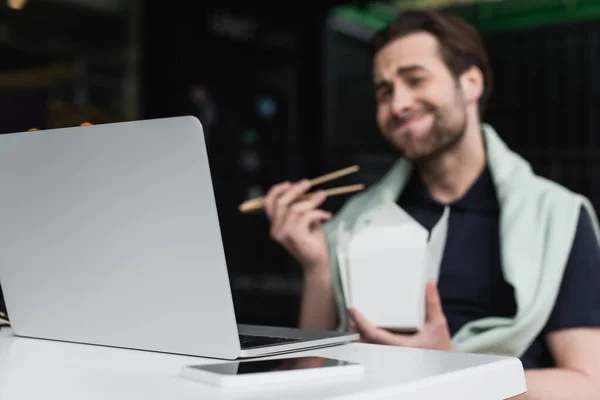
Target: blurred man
pixel 520 274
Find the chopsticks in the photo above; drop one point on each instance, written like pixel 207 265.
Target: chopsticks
pixel 258 203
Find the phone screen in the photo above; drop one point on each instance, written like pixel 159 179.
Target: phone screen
pixel 284 364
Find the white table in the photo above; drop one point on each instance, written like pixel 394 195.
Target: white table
pixel 38 369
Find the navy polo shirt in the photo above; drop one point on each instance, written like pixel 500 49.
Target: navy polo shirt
pixel 471 282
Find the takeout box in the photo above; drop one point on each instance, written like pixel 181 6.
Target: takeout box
pixel 385 266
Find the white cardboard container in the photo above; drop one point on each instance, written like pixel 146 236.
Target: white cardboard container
pixel 385 266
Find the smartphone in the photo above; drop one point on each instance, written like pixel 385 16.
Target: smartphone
pixel 258 372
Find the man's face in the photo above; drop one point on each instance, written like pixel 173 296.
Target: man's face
pixel 421 108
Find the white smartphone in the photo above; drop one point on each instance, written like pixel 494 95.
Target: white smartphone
pixel 258 372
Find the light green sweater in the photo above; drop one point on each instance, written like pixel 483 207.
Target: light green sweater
pixel 538 219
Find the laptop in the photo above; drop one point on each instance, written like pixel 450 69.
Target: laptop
pixel 110 236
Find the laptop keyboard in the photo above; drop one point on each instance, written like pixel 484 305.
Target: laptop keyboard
pixel 250 341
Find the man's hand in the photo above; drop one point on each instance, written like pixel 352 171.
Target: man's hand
pixel 296 222
pixel 434 334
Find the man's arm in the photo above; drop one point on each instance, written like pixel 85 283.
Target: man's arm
pixel 577 372
pixel 296 224
pixel 573 329
pixel 317 310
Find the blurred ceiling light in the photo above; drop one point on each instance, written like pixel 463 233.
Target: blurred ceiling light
pixel 16 4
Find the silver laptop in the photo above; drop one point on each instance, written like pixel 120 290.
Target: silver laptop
pixel 110 236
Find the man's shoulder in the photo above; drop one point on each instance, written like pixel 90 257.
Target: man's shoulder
pixel 515 177
pixel 556 201
pixel 545 188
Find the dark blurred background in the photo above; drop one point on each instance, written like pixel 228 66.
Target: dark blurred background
pixel 284 92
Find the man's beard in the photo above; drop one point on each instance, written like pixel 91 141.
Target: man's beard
pixel 443 136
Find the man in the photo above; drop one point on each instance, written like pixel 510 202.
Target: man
pixel 521 270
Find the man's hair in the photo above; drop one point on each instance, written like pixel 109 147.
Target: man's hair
pixel 461 46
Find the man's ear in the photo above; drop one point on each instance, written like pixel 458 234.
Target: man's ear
pixel 471 82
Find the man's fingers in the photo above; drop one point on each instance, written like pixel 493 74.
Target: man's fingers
pixel 281 204
pixel 350 324
pixel 298 218
pixel 351 327
pixel 304 210
pixel 313 202
pixel 297 225
pixel 306 220
pixel 434 310
pixel 371 333
pixel 292 194
pixel 272 195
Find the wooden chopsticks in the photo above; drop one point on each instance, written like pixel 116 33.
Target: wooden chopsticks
pixel 258 203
